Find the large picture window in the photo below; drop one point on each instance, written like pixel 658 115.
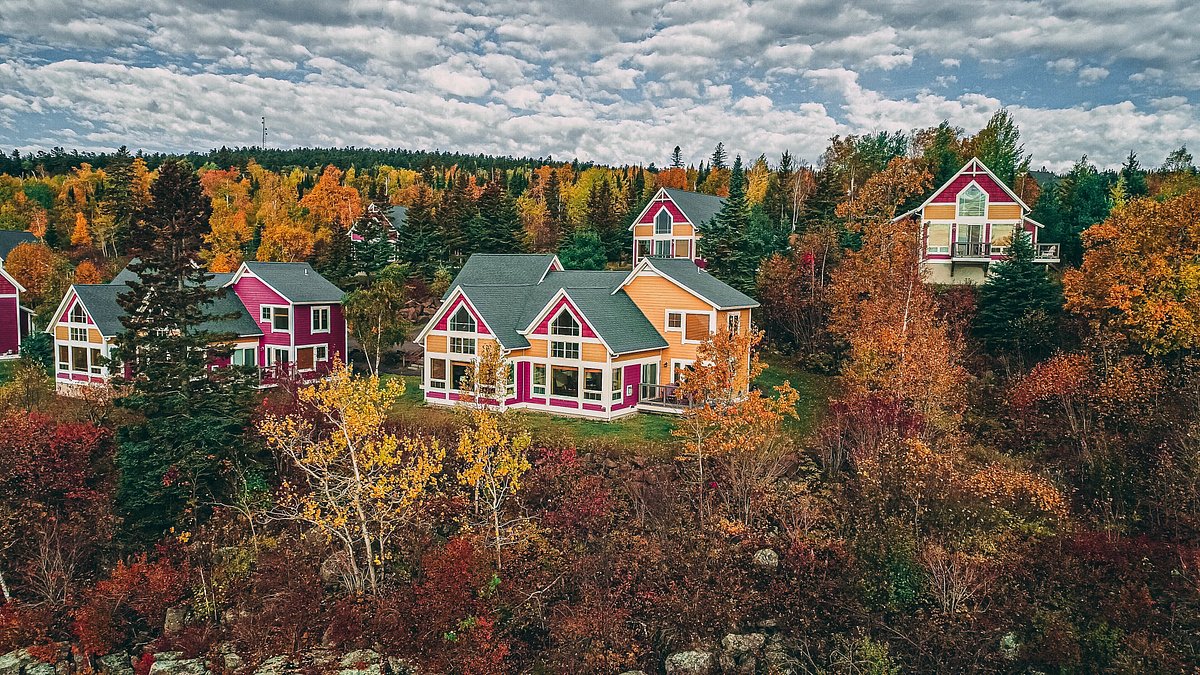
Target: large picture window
pixel 662 221
pixel 971 202
pixel 593 385
pixel 462 321
pixel 437 374
pixel 565 382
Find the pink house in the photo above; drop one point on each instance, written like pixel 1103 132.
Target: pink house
pixel 286 319
pixel 15 320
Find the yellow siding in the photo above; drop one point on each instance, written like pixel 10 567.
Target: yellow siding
pixel 479 343
pixel 634 356
pixel 435 343
pixel 939 212
pixel 682 230
pixel 654 295
pixel 643 230
pixel 594 352
pixel 61 333
pixel 1004 211
pixel 94 336
pixel 743 320
pixel 538 349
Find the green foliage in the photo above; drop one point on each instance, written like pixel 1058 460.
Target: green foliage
pixel 421 245
pixel 375 313
pixel 38 347
pixel 1078 201
pixel 724 243
pixel 999 147
pixel 375 250
pixel 585 251
pixel 1019 306
pixel 497 229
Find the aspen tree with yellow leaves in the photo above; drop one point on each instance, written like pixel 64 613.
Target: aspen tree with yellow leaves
pixel 362 485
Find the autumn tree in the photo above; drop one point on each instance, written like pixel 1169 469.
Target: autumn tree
pixel 44 274
pixel 332 204
pixel 375 314
pixel 80 237
pixel 229 226
pixel 1138 274
pixel 86 273
pixel 794 291
pixel 362 486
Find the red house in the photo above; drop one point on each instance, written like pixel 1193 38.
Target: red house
pixel 15 320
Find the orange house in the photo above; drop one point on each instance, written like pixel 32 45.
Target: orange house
pixel 600 344
pixel 672 223
pixel 968 224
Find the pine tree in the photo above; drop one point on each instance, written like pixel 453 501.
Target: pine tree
pixel 585 251
pixel 337 264
pixel 375 250
pixel 603 219
pixel 501 228
pixel 998 146
pixel 555 216
pixel 1134 177
pixel 723 244
pixel 1019 306
pixel 420 243
pixel 456 208
pixel 717 162
pixel 193 416
pixel 677 158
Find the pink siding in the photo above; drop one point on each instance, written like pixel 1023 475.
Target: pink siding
pixel 631 376
pixel 593 406
pixel 435 394
pixel 564 403
pixel 6 286
pixel 335 338
pixel 524 381
pixel 481 327
pixel 543 328
pixel 676 214
pixel 949 193
pixel 66 315
pixel 10 326
pixel 254 294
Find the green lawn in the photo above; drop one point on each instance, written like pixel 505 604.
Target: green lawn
pixel 648 434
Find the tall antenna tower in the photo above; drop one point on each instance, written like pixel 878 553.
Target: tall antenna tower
pixel 264 133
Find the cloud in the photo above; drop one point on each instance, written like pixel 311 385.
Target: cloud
pixel 1062 66
pixel 1092 74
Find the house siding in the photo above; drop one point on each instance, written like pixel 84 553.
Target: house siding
pixel 949 193
pixel 10 323
pixel 543 328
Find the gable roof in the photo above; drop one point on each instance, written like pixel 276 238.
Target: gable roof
pixel 398 215
pixel 699 208
pixel 511 291
pixel 296 281
pixel 969 166
pixel 9 239
pixel 100 301
pixel 691 277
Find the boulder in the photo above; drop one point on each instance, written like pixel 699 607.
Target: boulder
pixel 361 662
pixel 740 644
pixel 766 558
pixel 176 618
pixel 399 666
pixel 173 663
pixel 634 672
pixel 116 663
pixel 690 663
pixel 276 665
pixel 21 662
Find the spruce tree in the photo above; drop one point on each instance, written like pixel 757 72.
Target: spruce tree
pixel 603 219
pixel 555 215
pixel 375 250
pixel 500 229
pixel 584 251
pixel 723 244
pixel 456 208
pixel 193 417
pixel 717 162
pixel 1135 177
pixel 677 158
pixel 420 244
pixel 1019 306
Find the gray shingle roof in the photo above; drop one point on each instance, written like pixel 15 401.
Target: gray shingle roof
pixel 126 275
pixel 101 303
pixel 698 208
pixel 689 275
pixel 297 281
pixel 10 238
pixel 509 292
pixel 398 215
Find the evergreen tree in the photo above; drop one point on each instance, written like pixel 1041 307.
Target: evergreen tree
pixel 717 162
pixel 1179 161
pixel 456 208
pixel 193 417
pixel 584 251
pixel 1079 200
pixel 375 250
pixel 677 158
pixel 776 204
pixel 1019 306
pixel 121 202
pixel 498 229
pixel 337 263
pixel 1134 177
pixel 998 146
pixel 723 243
pixel 602 218
pixel 420 243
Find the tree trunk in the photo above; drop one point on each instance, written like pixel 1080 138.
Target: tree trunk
pixel 4 588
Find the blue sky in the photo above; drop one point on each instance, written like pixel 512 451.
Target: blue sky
pixel 616 82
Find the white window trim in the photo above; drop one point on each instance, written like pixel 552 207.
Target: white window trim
pixel 670 221
pixel 578 325
pixel 271 322
pixel 682 330
pixel 312 319
pixel 545 380
pixel 958 202
pixel 270 351
pixel 450 344
pixel 474 323
pixel 576 343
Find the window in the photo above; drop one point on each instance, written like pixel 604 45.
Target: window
pixel 674 320
pixel 937 238
pixel 593 385
pixel 459 374
pixel 616 384
pixel 245 356
pixel 320 319
pixel 662 248
pixel 94 364
pixel 564 350
pixel 79 335
pixel 683 248
pixel 735 323
pixel 512 380
pixel 278 356
pixel 1002 236
pixel 64 357
pixel 539 379
pixel 649 373
pixel 662 221
pixel 321 353
pixel 78 314
pixel 971 202
pixel 264 314
pixel 462 321
pixel 437 374
pixel 460 345
pixel 564 324
pixel 565 382
pixel 79 359
pixel 278 317
pixel 643 248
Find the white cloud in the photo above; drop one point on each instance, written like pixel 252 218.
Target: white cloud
pixel 1092 74
pixel 1062 66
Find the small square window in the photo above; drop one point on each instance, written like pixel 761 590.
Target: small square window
pixel 734 322
pixel 320 319
pixel 321 353
pixel 564 350
pixel 264 314
pixel 674 320
pixel 79 335
pixel 459 345
pixel 280 320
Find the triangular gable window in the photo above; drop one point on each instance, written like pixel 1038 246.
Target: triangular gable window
pixel 972 202
pixel 662 221
pixel 462 321
pixel 564 324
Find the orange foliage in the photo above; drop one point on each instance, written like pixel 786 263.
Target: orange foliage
pixel 230 229
pixel 35 267
pixel 286 243
pixel 672 178
pixel 145 588
pixel 86 273
pixel 331 203
pixel 80 235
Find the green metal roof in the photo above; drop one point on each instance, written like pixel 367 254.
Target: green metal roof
pixel 100 300
pixel 699 208
pixel 688 274
pixel 9 239
pixel 509 291
pixel 297 281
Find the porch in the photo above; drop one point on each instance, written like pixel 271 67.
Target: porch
pixel 662 398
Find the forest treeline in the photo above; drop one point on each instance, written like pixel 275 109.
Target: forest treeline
pixel 1000 478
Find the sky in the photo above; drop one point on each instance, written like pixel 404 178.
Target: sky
pixel 616 81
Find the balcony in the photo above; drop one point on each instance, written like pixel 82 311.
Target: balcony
pixel 971 250
pixel 663 398
pixel 1048 253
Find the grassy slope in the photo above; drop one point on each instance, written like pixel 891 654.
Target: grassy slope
pixel 647 434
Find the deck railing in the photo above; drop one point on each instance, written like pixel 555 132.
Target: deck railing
pixel 970 249
pixel 669 395
pixel 1048 252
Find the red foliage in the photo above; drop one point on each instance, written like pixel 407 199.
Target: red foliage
pixel 574 502
pixel 135 596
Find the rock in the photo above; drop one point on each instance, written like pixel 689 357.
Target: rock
pixel 399 666
pixel 1010 647
pixel 21 662
pixel 231 661
pixel 362 661
pixel 690 663
pixel 740 644
pixel 173 663
pixel 116 663
pixel 176 618
pixel 276 665
pixel 766 558
pixel 634 672
pixel 768 623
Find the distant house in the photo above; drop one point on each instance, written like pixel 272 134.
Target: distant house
pixel 968 224
pixel 600 344
pixel 397 217
pixel 286 319
pixel 672 223
pixel 16 322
